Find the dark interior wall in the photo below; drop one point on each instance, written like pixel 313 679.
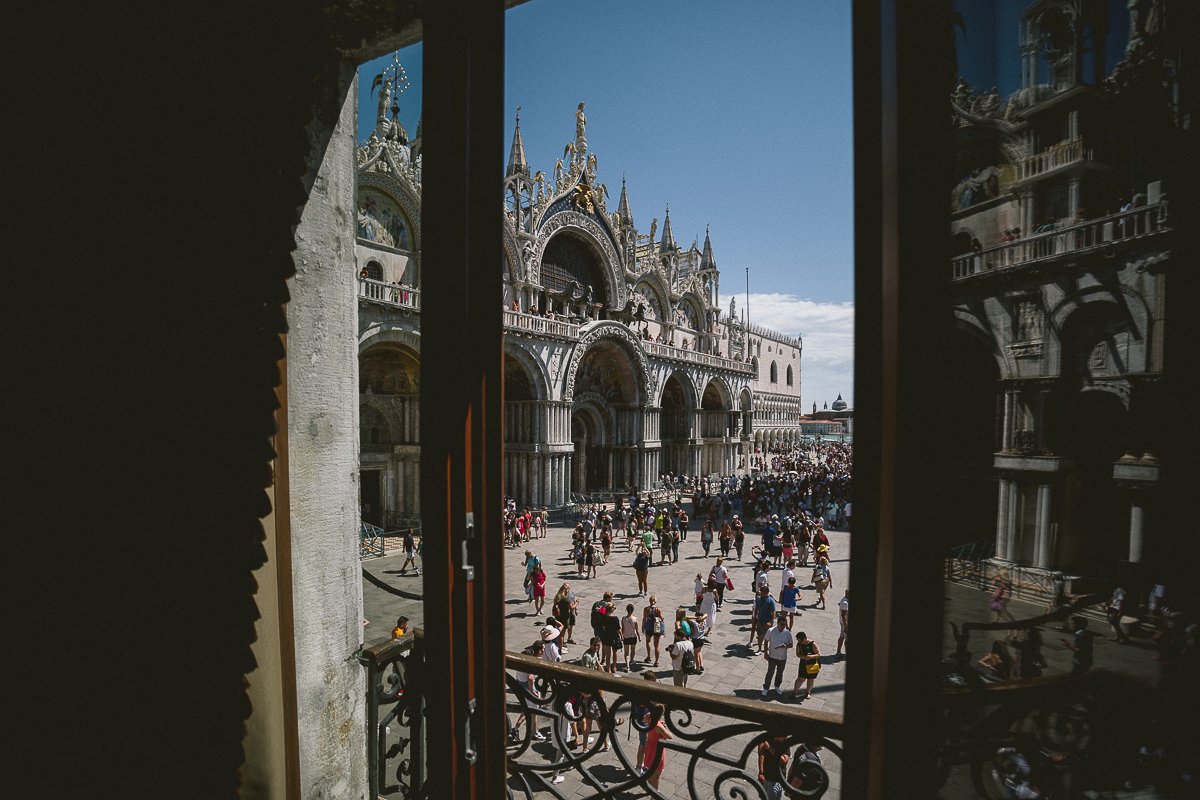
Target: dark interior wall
pixel 963 490
pixel 170 143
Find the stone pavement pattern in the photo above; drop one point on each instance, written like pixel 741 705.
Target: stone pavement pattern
pixel 731 666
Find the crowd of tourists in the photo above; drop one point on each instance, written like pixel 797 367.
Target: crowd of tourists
pixel 785 514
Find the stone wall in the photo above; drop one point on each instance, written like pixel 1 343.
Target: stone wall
pixel 323 469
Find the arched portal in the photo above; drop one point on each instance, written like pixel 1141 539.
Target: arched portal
pixel 606 390
pixel 678 405
pixel 589 467
pixel 717 427
pixel 570 259
pixel 389 419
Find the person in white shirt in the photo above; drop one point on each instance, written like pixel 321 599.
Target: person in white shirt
pixel 550 635
pixel 719 575
pixel 788 573
pixel 776 644
pixel 681 645
pixel 527 680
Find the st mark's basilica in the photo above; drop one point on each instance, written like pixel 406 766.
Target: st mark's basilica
pixel 621 360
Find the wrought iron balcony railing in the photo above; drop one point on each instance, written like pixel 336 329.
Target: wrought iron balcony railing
pixel 389 294
pixel 1085 237
pixel 717 737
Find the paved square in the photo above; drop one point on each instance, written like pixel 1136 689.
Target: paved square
pixel 732 667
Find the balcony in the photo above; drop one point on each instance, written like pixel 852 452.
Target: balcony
pixel 715 737
pixel 1053 158
pixel 1073 240
pixel 389 294
pixel 669 353
pixel 518 321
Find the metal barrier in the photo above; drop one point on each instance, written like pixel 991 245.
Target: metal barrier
pixel 370 543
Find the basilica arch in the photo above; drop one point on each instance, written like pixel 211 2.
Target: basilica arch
pixel 587 230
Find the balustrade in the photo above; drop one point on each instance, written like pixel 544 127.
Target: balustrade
pixel 518 320
pixel 1078 238
pixel 1059 155
pixel 389 294
pixel 696 357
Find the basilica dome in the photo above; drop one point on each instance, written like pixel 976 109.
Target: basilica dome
pixel 839 404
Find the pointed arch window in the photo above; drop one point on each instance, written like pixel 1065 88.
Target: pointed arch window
pixel 774 372
pixel 789 375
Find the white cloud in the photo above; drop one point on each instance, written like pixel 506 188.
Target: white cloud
pixel 827 362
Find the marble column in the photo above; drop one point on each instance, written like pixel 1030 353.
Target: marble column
pixel 1009 408
pixel 1042 548
pixel 1002 512
pixel 1136 530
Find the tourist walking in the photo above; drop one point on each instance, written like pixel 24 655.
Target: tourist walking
pixel 778 641
pixel 725 539
pixel 764 613
pixel 538 579
pixel 654 626
pixel 630 636
pixel 843 616
pixel 641 566
pixel 772 760
pixel 610 636
pixel 739 536
pixel 708 607
pixel 720 575
pixel 1081 662
pixel 789 601
pixel 810 664
pixel 410 552
pixel 822 580
pixel 679 649
pixel 656 754
pixel 706 537
pixel 999 601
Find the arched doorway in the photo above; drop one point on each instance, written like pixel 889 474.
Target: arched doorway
pixel 569 260
pixel 605 419
pixel 715 424
pixel 389 376
pixel 677 404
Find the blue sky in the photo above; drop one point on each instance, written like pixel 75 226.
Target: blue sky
pixel 738 116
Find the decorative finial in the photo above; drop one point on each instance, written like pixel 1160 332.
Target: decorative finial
pixel 518 115
pixel 622 179
pixel 706 229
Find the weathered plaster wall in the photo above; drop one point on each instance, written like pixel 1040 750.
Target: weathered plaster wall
pixel 323 437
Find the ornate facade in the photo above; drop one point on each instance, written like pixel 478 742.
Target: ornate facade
pixel 1062 243
pixel 620 362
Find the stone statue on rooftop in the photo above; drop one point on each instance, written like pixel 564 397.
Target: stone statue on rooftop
pixel 580 123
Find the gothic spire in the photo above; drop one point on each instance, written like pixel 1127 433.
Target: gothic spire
pixel 668 238
pixel 623 206
pixel 706 258
pixel 516 156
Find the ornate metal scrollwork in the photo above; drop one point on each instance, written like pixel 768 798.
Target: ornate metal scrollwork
pixel 721 758
pixel 395 733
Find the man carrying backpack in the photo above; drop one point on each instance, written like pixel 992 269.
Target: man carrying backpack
pixel 683 658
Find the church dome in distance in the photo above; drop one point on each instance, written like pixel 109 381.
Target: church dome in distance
pixel 839 404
